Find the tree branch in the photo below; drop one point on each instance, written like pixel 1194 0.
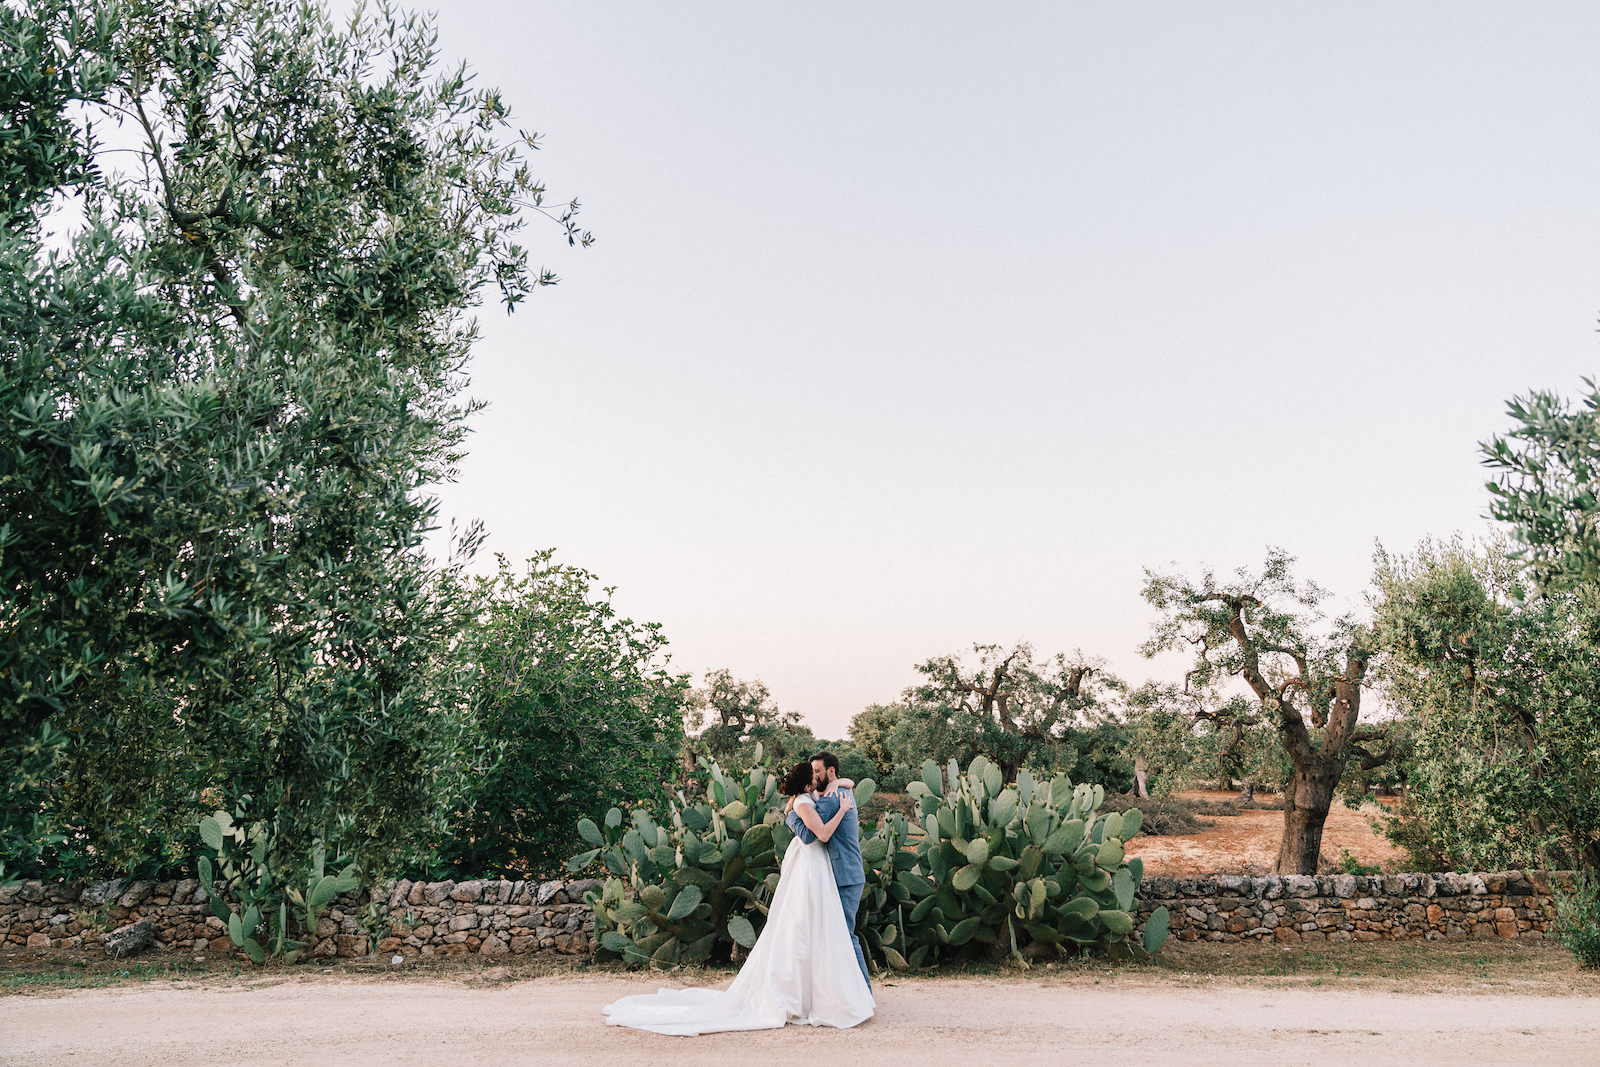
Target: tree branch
pixel 183 219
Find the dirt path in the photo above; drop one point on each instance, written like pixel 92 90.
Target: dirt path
pixel 557 1020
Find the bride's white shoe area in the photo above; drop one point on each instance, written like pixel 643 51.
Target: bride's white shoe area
pixel 802 969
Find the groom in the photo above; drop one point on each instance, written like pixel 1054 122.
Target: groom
pixel 844 848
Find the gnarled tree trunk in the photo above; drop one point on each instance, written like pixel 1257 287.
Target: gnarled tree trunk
pixel 1306 800
pixel 1141 777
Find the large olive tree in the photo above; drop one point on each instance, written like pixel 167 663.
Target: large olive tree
pixel 241 246
pixel 1308 681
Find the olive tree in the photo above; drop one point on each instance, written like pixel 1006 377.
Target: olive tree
pixel 1547 484
pixel 241 248
pixel 1010 707
pixel 1307 680
pixel 727 717
pixel 1177 736
pixel 1499 693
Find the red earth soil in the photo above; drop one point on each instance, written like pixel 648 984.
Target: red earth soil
pixel 1247 843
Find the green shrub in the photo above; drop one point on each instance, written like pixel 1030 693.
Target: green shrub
pixel 853 762
pixel 1349 863
pixel 1578 919
pixel 897 778
pixel 576 709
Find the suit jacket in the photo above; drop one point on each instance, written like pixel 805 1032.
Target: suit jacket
pixel 844 847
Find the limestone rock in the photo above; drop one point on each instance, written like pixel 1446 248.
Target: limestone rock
pixel 99 893
pixel 136 894
pixel 130 939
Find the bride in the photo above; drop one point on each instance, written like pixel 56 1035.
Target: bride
pixel 803 967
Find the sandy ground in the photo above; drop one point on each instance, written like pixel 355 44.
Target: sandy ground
pixel 557 1020
pixel 1247 843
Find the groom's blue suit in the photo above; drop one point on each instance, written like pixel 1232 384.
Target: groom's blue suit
pixel 844 853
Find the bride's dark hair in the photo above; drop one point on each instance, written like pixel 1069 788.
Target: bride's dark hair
pixel 797 781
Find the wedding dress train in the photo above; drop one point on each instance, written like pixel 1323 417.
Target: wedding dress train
pixel 802 969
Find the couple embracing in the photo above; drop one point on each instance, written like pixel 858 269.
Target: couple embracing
pixel 807 966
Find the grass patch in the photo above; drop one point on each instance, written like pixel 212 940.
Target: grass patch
pixel 1531 968
pixel 1525 967
pixel 79 973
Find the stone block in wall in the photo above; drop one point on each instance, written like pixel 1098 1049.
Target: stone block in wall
pixel 574 891
pixel 136 894
pixel 468 892
pixel 436 892
pixel 1300 885
pixel 398 895
pixel 1159 888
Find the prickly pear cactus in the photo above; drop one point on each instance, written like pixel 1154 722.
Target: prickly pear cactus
pixel 696 884
pixel 1025 868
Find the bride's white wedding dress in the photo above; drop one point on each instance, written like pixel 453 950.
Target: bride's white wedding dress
pixel 802 969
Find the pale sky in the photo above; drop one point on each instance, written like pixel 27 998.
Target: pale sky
pixel 914 325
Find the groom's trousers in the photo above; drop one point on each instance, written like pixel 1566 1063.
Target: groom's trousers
pixel 850 897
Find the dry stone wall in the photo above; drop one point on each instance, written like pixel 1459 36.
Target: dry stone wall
pixel 1302 909
pixel 496 917
pixel 416 918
